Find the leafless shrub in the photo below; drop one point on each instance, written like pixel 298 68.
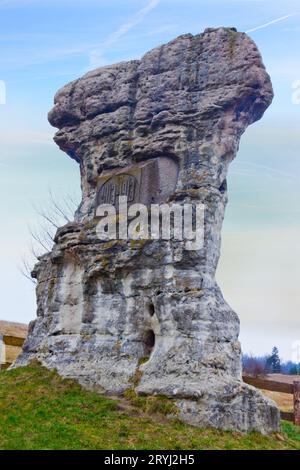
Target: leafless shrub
pixel 254 366
pixel 50 218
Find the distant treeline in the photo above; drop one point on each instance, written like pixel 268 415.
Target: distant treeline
pixel 269 364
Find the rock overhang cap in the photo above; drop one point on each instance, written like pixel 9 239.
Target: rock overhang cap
pixel 177 84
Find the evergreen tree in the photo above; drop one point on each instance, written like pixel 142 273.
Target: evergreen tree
pixel 273 361
pixel 293 370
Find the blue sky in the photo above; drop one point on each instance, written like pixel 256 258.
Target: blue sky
pixel 46 43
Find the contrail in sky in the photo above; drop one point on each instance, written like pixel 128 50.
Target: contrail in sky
pixel 96 55
pixel 282 18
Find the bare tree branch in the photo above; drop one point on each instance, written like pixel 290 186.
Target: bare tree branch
pixel 60 210
pixel 51 218
pixel 25 270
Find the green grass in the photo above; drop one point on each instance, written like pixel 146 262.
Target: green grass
pixel 39 410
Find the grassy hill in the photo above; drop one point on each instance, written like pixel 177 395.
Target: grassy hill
pixel 39 410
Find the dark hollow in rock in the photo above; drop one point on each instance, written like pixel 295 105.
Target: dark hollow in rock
pixel 149 341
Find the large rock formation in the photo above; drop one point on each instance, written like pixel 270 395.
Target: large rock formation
pixel 149 314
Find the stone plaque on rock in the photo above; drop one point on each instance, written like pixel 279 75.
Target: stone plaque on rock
pixel 118 185
pixel 147 182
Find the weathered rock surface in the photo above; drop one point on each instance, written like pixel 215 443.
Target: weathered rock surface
pixel 149 314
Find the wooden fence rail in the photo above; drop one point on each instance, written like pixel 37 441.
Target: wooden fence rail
pixel 274 386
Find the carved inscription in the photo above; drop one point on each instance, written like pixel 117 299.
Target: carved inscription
pixel 118 185
pixel 146 182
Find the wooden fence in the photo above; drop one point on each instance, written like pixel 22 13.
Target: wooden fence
pixel 282 387
pixel 10 349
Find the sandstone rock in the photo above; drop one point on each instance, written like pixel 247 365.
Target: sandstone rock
pixel 149 315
